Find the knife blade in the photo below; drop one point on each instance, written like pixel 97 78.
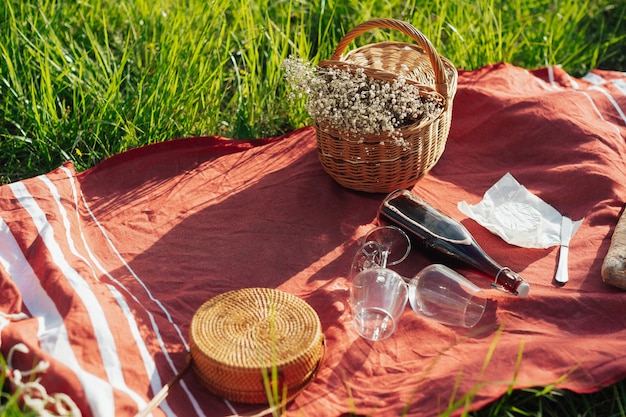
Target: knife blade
pixel 568 229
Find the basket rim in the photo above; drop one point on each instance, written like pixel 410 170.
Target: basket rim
pixel 364 162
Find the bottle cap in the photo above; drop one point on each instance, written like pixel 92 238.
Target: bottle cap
pixel 523 289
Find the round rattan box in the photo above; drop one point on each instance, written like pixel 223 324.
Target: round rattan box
pixel 244 341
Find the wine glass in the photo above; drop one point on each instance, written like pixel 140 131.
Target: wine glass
pixel 383 246
pixel 440 293
pixel 393 243
pixel 378 297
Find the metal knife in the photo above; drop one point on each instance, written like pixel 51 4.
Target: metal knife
pixel 568 229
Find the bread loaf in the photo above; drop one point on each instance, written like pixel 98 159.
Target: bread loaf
pixel 614 265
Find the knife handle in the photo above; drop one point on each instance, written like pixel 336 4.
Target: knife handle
pixel 561 269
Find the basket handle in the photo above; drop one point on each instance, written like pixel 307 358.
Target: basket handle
pixel 441 84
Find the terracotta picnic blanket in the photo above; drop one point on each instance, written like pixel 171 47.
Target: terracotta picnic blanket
pixel 110 264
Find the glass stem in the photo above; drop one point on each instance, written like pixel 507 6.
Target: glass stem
pixel 384 255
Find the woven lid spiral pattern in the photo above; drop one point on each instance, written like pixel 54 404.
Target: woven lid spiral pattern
pixel 238 337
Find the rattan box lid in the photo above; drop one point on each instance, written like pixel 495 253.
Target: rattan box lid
pixel 238 337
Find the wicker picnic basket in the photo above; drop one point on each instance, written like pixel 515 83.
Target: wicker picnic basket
pixel 369 163
pixel 239 338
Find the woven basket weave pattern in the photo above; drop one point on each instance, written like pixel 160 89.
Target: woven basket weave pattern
pixel 238 334
pixel 369 163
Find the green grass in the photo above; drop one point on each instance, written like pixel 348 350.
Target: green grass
pixel 84 80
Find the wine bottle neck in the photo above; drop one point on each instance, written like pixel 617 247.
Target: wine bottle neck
pixel 511 282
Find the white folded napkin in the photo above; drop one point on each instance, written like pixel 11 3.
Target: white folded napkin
pixel 515 214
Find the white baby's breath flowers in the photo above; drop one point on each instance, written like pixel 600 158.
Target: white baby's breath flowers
pixel 29 391
pixel 353 104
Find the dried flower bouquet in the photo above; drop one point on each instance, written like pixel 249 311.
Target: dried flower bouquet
pixel 345 99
